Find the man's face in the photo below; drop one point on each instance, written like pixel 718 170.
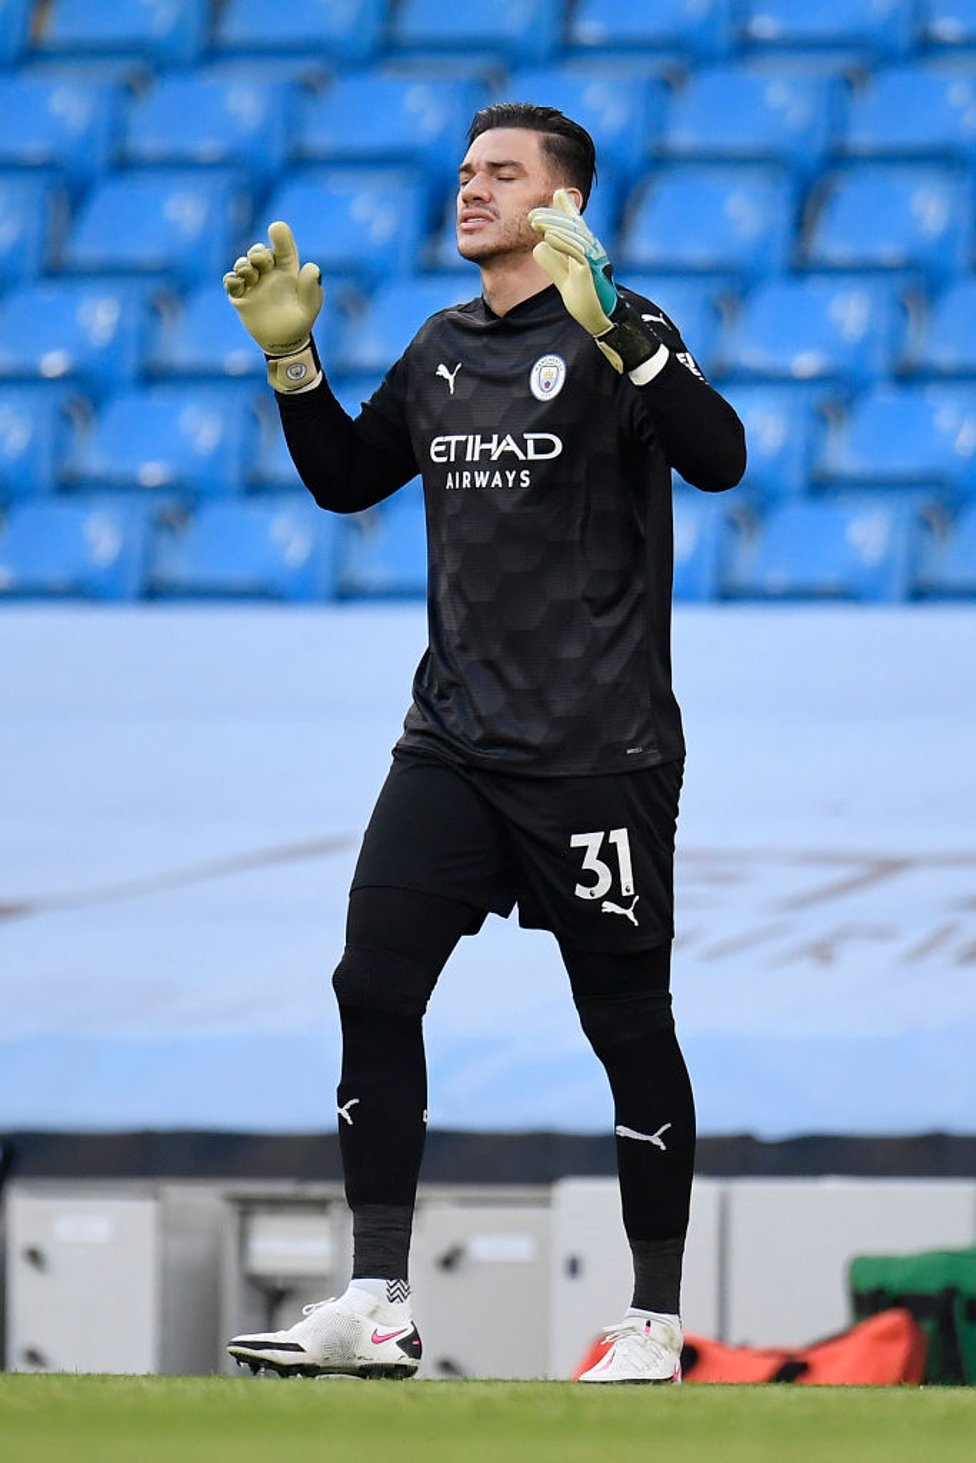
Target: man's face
pixel 504 174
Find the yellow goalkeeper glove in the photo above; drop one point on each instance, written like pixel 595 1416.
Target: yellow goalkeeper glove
pixel 577 264
pixel 278 303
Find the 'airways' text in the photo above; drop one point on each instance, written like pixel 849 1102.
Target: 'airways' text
pixel 481 478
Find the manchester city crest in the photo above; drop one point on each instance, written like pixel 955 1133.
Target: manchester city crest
pixel 546 377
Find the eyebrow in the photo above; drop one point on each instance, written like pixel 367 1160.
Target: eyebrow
pixel 492 167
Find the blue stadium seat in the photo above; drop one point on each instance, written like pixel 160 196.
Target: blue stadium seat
pixel 945 344
pixel 33 437
pixel 32 217
pixel 339 30
pixel 946 26
pixel 732 112
pixel 188 119
pixel 68 126
pixel 815 328
pixel 396 120
pixel 947 561
pixel 782 424
pixel 92 549
pixel 168 439
pixel 823 550
pixel 868 27
pixel 911 111
pixel 889 216
pixel 15 16
pixel 365 222
pixel 621 113
pixel 170 34
pixel 905 434
pixel 383 553
pixel 178 224
pixel 699 525
pixel 90 332
pixel 522 31
pixel 698 27
pixel 199 334
pixel 283 548
pixel 373 338
pixel 700 216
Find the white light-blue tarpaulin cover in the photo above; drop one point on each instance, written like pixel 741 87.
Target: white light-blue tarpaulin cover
pixel 182 792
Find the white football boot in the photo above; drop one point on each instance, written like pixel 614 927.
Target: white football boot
pixel 642 1349
pixel 356 1335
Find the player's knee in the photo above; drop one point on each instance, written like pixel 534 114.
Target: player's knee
pixel 381 980
pixel 611 1023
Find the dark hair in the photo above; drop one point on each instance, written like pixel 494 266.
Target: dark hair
pixel 568 146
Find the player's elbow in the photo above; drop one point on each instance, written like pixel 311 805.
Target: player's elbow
pixel 725 468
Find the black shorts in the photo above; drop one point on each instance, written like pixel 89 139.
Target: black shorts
pixel 589 858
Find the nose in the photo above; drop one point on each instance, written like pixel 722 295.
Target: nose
pixel 474 189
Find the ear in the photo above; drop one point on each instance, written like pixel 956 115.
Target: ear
pixel 576 196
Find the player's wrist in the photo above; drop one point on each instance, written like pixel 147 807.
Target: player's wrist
pixel 630 341
pixel 294 370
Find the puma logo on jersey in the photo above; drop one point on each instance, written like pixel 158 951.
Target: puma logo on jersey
pixel 343 1111
pixel 651 318
pixel 608 907
pixel 448 376
pixel 654 1138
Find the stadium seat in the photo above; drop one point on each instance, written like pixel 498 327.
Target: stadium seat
pixel 67 126
pixel 905 434
pixel 947 562
pixel 698 27
pixel 870 28
pixel 168 439
pixel 823 550
pixel 818 327
pixel 365 222
pixel 90 332
pixel 699 524
pixel 92 549
pixel 337 30
pixel 33 436
pixel 621 113
pixel 731 112
pixel 911 111
pixel 32 216
pixel 277 549
pixel 889 216
pixel 521 31
pixel 374 337
pixel 945 342
pixel 186 119
pixel 698 216
pixel 15 16
pixel 781 424
pixel 395 120
pixel 170 34
pixel 945 26
pixel 178 224
pixel 382 553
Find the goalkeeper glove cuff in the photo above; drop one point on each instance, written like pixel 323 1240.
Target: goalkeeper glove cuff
pixel 630 346
pixel 297 371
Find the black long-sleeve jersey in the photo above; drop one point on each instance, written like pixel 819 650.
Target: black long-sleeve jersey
pixel 547 487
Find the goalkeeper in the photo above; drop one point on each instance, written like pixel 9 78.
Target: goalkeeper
pixel 541 757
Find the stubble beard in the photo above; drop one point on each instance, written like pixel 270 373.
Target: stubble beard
pixel 516 239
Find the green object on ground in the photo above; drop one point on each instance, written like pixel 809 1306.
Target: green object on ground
pixel 939 1288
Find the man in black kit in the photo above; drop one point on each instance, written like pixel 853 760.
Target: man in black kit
pixel 541 758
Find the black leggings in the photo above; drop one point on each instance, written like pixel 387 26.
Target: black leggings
pixel 397 943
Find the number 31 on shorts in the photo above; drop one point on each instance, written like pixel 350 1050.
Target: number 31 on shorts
pixel 619 849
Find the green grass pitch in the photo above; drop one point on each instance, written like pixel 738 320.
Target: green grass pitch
pixel 99 1419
